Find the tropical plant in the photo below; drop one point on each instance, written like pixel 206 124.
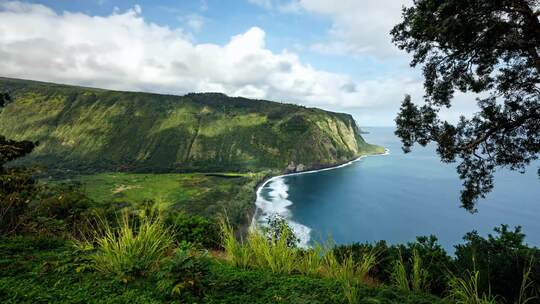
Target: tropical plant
pixel 182 274
pixel 238 254
pixel 131 250
pixel 416 279
pixel 499 257
pixel 465 290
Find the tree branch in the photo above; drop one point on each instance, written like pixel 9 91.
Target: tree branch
pixel 507 127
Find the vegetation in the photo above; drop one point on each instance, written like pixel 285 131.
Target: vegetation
pixel 154 238
pixel 132 249
pixel 91 130
pixel 207 195
pixel 487 47
pixel 500 268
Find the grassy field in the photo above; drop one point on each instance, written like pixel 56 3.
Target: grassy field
pixel 206 194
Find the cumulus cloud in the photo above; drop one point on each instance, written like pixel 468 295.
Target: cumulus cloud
pixel 123 51
pixel 358 27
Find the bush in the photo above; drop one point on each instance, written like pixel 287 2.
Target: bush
pixel 17 190
pixel 196 230
pixel 501 260
pixel 181 276
pixel 277 228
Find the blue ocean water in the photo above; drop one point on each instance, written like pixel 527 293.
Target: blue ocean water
pixel 398 197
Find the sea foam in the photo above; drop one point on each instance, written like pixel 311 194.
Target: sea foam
pixel 275 201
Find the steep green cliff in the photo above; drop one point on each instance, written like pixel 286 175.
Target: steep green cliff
pixel 92 130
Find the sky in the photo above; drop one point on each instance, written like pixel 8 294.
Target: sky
pixel 336 55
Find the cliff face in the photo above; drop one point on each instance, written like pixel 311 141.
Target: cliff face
pixel 92 130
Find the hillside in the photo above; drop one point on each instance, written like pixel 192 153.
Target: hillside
pixel 94 130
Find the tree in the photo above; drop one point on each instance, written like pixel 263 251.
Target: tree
pixel 16 184
pixel 487 47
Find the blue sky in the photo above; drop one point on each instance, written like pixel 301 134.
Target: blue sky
pixel 335 55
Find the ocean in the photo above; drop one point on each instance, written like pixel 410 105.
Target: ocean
pixel 397 197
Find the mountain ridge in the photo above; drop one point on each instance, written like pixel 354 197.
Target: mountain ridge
pixel 96 130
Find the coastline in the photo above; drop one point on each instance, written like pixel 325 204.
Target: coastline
pixel 255 213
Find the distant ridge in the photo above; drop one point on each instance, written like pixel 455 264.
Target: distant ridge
pixel 95 130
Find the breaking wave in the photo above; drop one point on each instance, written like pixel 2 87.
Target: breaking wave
pixel 273 199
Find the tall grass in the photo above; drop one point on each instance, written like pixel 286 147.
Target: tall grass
pixel 399 275
pixel 277 256
pixel 131 250
pixel 238 254
pixel 416 279
pixel 526 291
pixel 419 275
pixel 465 290
pixel 273 254
pixel 311 261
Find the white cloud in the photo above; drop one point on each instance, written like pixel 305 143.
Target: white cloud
pixel 123 51
pixel 359 27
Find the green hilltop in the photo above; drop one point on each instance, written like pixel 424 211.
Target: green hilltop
pixel 94 130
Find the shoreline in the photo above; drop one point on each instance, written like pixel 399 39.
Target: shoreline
pixel 267 180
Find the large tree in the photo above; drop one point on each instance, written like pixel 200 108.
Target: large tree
pixel 487 47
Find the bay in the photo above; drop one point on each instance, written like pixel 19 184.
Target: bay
pixel 398 197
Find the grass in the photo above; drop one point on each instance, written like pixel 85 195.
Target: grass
pixel 131 250
pixel 45 271
pixel 414 280
pixel 193 193
pixel 465 290
pixel 527 292
pixel 274 255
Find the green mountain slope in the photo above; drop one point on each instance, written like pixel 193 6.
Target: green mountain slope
pixel 93 130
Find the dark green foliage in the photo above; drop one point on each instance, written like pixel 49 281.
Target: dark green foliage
pixel 48 270
pixel 479 46
pixel 182 275
pixel 11 150
pixel 277 227
pixel 237 286
pixel 17 185
pixel 195 229
pixel 46 210
pixel 17 189
pixel 90 130
pixel 501 260
pixel 434 259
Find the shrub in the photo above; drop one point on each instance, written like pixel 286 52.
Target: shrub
pixel 131 251
pixel 17 190
pixel 181 275
pixel 434 260
pixel 500 260
pixel 278 228
pixel 195 229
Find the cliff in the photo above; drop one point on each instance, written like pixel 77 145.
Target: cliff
pixel 94 130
